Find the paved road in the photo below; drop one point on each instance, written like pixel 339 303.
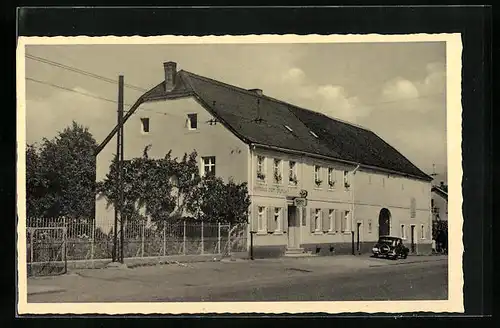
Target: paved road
pixel 418 281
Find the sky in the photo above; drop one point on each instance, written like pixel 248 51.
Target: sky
pixel 397 90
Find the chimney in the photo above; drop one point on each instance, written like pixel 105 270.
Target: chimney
pixel 170 69
pixel 257 91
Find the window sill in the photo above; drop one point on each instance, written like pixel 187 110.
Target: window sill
pixel 331 232
pixel 317 233
pixel 261 233
pixel 318 188
pixel 292 185
pixel 278 233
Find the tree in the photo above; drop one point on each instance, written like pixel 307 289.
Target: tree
pixel 61 175
pixel 217 201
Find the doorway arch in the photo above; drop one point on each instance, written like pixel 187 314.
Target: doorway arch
pixel 384 222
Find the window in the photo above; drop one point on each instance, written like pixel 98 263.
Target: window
pixel 208 165
pixel 383 182
pixel 369 179
pixel 422 231
pixel 317 220
pixel 192 121
pixel 402 186
pixel 261 221
pixel 369 226
pixel 346 221
pixel 331 217
pixel 346 179
pixel 277 218
pixel 261 172
pixel 292 172
pixel 403 231
pixel 317 175
pixel 277 170
pixel 331 178
pixel 145 124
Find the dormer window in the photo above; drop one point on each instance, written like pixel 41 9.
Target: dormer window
pixel 192 121
pixel 145 124
pixel 314 134
pixel 288 128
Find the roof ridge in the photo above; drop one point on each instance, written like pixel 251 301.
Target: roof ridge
pixel 231 86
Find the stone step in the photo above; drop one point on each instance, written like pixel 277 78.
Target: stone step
pixel 308 254
pixel 294 250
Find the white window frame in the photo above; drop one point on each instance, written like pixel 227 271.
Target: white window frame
pixel 261 167
pixel 143 131
pixel 210 165
pixel 317 220
pixel 331 178
pixel 331 217
pixel 347 221
pixel 190 122
pixel 402 228
pixel 261 219
pixel 292 172
pixel 317 176
pixel 277 217
pixel 279 168
pixel 346 179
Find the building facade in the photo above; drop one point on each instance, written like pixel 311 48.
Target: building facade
pixel 316 184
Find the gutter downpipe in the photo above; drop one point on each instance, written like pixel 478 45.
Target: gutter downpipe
pixel 352 206
pixel 250 193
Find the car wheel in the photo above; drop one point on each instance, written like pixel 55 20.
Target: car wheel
pixel 405 256
pixel 375 255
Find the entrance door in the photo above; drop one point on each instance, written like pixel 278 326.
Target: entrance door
pixel 358 239
pixel 384 222
pixel 412 238
pixel 293 227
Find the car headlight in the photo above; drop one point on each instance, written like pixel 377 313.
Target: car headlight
pixel 375 249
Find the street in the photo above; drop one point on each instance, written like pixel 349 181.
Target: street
pixel 342 278
pixel 421 281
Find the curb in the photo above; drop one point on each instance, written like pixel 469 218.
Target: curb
pixel 403 263
pixel 52 290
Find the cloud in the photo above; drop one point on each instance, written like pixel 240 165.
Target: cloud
pixel 329 99
pixel 398 89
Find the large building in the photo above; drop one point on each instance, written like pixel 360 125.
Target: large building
pixel 316 183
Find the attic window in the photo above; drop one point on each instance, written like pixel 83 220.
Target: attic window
pixel 192 121
pixel 145 124
pixel 288 128
pixel 314 134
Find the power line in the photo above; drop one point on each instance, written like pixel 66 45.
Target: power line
pixel 96 97
pixel 80 71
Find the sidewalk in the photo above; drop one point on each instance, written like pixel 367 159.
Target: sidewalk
pixel 103 285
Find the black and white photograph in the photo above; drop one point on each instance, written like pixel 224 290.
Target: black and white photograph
pixel 239 174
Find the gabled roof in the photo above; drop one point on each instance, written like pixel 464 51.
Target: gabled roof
pixel 440 192
pixel 283 125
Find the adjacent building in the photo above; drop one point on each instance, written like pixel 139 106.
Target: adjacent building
pixel 316 183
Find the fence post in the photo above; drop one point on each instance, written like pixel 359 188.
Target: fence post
pixel 164 237
pixel 218 237
pixel 184 239
pixel 92 244
pixel 202 241
pixel 31 244
pixel 142 238
pixel 229 239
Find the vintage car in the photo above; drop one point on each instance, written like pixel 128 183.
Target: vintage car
pixel 390 247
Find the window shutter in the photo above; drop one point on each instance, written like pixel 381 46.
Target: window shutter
pixel 311 219
pixel 284 219
pixel 254 218
pixel 338 222
pixel 325 222
pixel 342 221
pixel 270 219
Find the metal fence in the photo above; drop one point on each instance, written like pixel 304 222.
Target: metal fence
pixel 86 240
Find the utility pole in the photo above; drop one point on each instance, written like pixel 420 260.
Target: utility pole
pixel 119 179
pixel 120 162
